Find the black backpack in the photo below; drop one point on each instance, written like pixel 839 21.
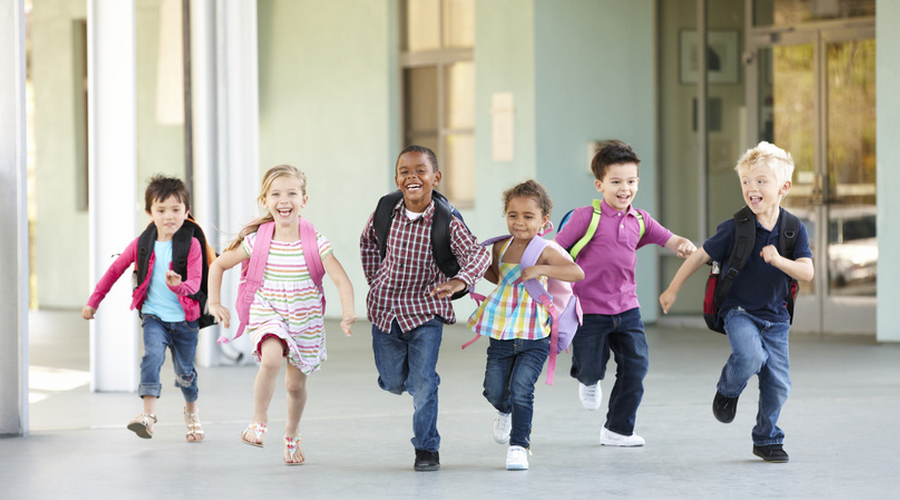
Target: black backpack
pixel 181 246
pixel 440 231
pixel 718 287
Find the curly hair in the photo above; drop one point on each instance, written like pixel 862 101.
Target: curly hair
pixel 531 189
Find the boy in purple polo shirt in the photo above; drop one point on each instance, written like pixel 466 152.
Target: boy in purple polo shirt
pixel 754 312
pixel 612 317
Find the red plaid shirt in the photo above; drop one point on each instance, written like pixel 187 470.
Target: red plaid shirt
pixel 399 286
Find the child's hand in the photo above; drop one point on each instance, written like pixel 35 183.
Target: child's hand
pixel 685 248
pixel 88 312
pixel 448 288
pixel 531 272
pixel 770 254
pixel 345 324
pixel 667 300
pixel 221 313
pixel 173 279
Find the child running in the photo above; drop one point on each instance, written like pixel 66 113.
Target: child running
pixel 517 324
pixel 169 313
pixel 286 318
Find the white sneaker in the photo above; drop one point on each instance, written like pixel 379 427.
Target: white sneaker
pixel 590 395
pixel 610 438
pixel 517 458
pixel 502 425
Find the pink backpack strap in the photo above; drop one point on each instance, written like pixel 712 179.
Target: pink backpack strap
pixel 310 245
pixel 251 277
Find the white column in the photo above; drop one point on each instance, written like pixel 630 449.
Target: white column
pixel 112 164
pixel 205 149
pixel 238 130
pixel 13 223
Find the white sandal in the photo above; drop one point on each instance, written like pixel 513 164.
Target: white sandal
pixel 141 425
pixel 192 420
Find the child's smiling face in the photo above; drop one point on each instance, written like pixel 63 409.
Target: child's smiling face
pixel 416 178
pixel 285 198
pixel 619 185
pixel 762 190
pixel 168 216
pixel 524 217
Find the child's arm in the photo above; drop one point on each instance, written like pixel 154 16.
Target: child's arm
pixel 345 290
pixel 693 263
pixel 194 272
pixel 109 278
pixel 801 269
pixel 554 263
pixel 493 271
pixel 682 246
pixel 473 260
pixel 223 262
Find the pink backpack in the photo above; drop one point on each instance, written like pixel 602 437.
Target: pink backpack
pixel 252 270
pixel 563 306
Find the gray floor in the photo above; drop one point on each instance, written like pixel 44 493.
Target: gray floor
pixel 842 423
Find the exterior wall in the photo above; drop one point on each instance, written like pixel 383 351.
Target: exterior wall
pixel 585 93
pixel 328 106
pixel 888 124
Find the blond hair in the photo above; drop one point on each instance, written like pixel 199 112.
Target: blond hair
pixel 272 174
pixel 767 155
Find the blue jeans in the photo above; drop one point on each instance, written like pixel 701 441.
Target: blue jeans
pixel 624 335
pixel 181 338
pixel 758 348
pixel 407 361
pixel 513 367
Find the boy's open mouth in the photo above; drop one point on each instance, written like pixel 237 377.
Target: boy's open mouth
pixel 413 187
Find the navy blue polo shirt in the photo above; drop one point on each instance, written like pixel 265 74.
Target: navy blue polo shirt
pixel 760 288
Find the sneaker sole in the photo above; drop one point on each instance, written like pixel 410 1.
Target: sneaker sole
pixel 516 467
pixel 427 468
pixel 772 460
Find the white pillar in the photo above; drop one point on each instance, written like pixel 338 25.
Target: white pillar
pixel 238 129
pixel 205 146
pixel 112 167
pixel 13 223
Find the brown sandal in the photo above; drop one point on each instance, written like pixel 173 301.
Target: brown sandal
pixel 142 425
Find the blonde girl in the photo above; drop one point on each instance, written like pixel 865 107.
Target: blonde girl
pixel 286 316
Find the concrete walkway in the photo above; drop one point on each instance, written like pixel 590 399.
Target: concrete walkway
pixel 842 423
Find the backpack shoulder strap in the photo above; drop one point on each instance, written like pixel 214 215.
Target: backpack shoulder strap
pixel 440 236
pixel 144 249
pixel 744 239
pixel 181 247
pixel 790 228
pixel 591 229
pixel 309 243
pixel 381 221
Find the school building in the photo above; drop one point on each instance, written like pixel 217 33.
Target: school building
pixel 98 96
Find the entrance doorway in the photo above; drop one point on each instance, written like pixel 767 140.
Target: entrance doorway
pixel 813 88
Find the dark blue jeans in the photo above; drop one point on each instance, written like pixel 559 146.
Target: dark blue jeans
pixel 407 361
pixel 513 367
pixel 623 334
pixel 181 338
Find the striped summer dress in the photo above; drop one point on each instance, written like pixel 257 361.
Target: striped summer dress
pixel 288 304
pixel 509 313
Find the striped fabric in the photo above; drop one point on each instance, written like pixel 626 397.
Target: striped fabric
pixel 509 313
pixel 288 304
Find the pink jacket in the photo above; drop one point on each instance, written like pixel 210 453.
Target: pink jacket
pixel 128 257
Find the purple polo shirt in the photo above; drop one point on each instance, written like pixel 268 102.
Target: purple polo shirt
pixel 609 259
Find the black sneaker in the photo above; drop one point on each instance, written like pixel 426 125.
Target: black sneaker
pixel 427 461
pixel 724 408
pixel 773 453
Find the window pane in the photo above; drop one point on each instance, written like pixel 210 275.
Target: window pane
pixel 459 24
pixel 784 12
pixel 423 25
pixel 459 169
pixel 459 86
pixel 421 89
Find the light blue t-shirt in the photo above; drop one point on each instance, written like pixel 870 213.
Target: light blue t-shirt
pixel 161 301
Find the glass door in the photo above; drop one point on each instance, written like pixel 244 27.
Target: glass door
pixel 815 97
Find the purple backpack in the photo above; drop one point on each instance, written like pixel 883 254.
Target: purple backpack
pixel 562 305
pixel 252 270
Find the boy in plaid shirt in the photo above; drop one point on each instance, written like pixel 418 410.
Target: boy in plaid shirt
pixel 409 297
